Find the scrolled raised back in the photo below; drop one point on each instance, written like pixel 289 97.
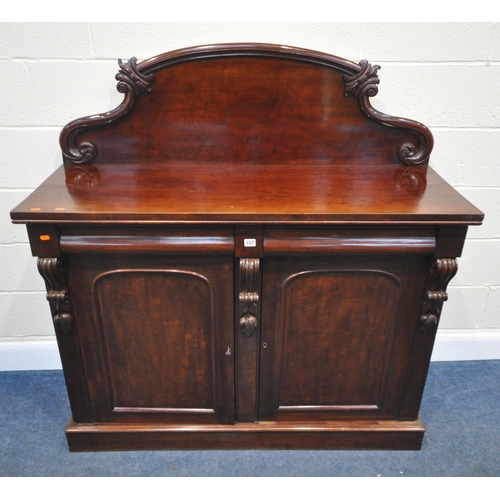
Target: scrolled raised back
pixel 246 103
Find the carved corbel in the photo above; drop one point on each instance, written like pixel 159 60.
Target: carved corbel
pixel 51 271
pixel 249 295
pixel 442 271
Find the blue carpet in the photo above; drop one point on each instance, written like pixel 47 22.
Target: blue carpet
pixel 461 409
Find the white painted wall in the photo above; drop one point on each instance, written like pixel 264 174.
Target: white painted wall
pixel 446 75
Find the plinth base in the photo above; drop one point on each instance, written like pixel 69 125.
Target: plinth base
pixel 370 435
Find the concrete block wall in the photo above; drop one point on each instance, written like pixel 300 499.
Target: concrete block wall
pixel 446 75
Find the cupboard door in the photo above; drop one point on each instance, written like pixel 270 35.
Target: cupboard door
pixel 158 336
pixel 337 332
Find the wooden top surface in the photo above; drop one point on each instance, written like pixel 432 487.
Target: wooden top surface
pixel 250 194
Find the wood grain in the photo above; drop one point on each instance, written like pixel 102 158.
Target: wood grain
pixel 257 194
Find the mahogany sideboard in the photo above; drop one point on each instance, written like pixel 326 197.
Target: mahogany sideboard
pixel 245 254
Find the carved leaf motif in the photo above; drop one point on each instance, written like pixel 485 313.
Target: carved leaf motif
pixel 248 319
pixel 364 82
pixel 129 76
pixel 63 321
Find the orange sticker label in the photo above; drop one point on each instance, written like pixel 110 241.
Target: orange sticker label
pixel 44 237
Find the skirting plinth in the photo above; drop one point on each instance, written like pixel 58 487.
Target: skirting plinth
pixel 369 435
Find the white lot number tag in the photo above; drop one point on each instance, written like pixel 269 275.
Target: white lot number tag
pixel 249 242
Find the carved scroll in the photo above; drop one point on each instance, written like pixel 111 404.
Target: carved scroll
pixel 363 85
pixel 249 295
pixel 132 83
pixel 51 271
pixel 442 271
